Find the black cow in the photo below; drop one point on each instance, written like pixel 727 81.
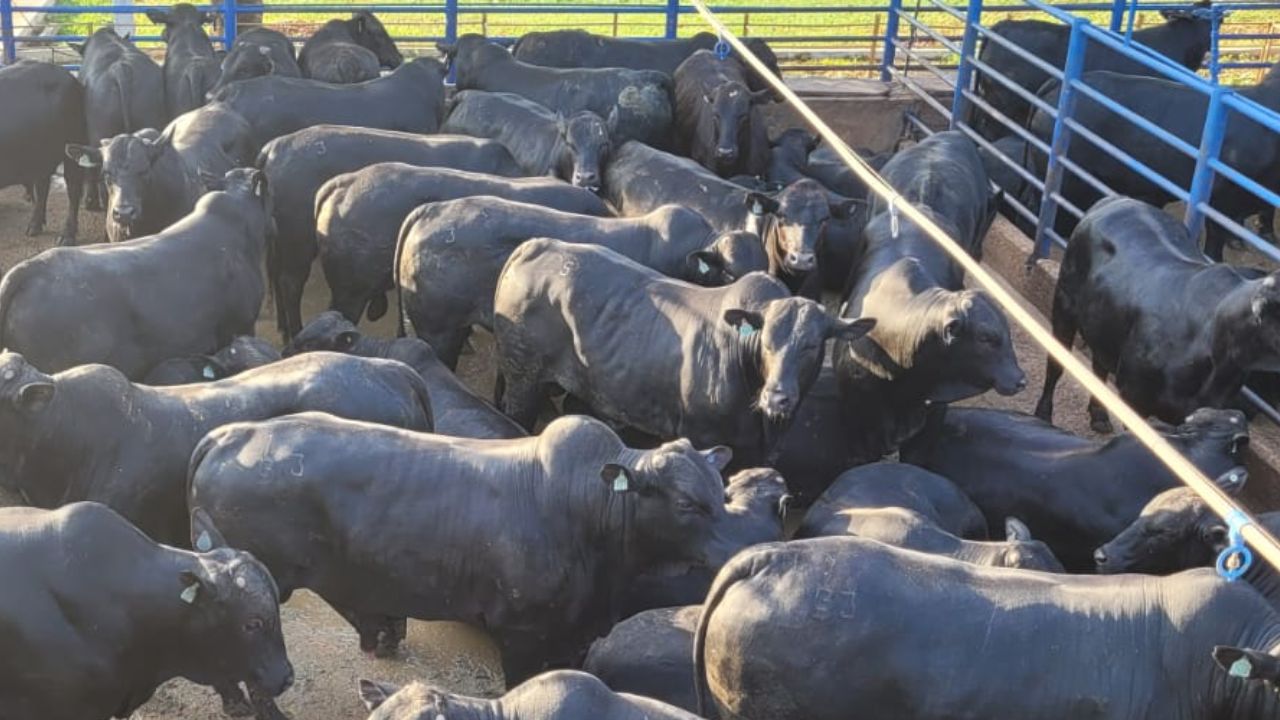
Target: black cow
pixel 359 214
pixel 791 223
pixel 410 99
pixel 132 442
pixel 1134 286
pixel 1184 39
pixel 636 103
pixel 1010 182
pixel 257 52
pixel 190 68
pixel 127 306
pixel 450 255
pixel 45 114
pixel 717 365
pixel 559 695
pixel 349 51
pixel 588 514
pixel 99 616
pixel 912 508
pixel 578 48
pixel 788 627
pixel 827 167
pixel 756 503
pixel 154 181
pixel 123 93
pixel 1076 493
pixel 574 147
pixel 650 654
pixel 455 408
pixel 718 123
pixel 299 164
pixel 244 353
pixel 1180 110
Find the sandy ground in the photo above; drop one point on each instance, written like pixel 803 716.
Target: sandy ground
pixel 322 646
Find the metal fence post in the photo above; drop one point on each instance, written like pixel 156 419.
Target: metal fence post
pixel 964 72
pixel 1071 72
pixel 890 40
pixel 1133 17
pixel 6 32
pixel 1117 15
pixel 229 17
pixel 673 19
pixel 450 21
pixel 1215 130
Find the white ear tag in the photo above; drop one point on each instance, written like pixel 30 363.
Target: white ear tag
pixel 620 483
pixel 9 375
pixel 756 208
pixel 84 161
pixel 1241 668
pixel 703 267
pixel 204 543
pixel 189 595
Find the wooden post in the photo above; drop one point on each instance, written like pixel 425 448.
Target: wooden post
pixel 875 38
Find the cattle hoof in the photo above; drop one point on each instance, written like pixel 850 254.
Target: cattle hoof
pixel 66 241
pixel 386 649
pixel 1102 426
pixel 35 229
pixel 237 707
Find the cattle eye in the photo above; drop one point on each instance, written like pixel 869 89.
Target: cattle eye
pixel 685 505
pixel 254 626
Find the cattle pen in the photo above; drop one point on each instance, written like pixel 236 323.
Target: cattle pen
pixel 919 69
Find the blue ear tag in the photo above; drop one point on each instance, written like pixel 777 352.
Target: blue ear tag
pixel 746 330
pixel 208 372
pixel 757 209
pixel 204 543
pixel 1241 668
pixel 703 267
pixel 620 483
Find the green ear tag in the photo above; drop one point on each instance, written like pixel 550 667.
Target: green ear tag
pixel 189 595
pixel 746 330
pixel 1241 668
pixel 620 483
pixel 204 543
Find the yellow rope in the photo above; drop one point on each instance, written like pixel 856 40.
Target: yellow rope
pixel 1217 500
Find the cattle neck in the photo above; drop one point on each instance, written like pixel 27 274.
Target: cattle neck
pixel 907 319
pixel 1231 358
pixel 614 533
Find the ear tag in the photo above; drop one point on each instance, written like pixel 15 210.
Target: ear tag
pixel 189 595
pixel 84 161
pixel 204 543
pixel 208 373
pixel 1241 668
pixel 893 217
pixel 703 267
pixel 620 483
pixel 756 208
pixel 746 330
pixel 9 375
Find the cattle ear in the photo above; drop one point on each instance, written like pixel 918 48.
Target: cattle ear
pixel 83 155
pixel 718 457
pixel 812 143
pixel 1232 481
pixel 212 182
pixel 347 340
pixel 707 98
pixel 159 17
pixel 1247 664
pixel 845 209
pixel 619 478
pixel 1215 535
pixel 205 19
pixel 951 331
pixel 1015 530
pixel 745 322
pixel 374 694
pixel 34 397
pixel 760 203
pixel 759 97
pixel 612 121
pixel 260 184
pixel 704 264
pixel 851 329
pixel 205 536
pixel 361 24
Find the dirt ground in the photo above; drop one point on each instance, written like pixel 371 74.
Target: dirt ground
pixel 323 647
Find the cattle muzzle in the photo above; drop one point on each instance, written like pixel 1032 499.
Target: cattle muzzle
pixel 801 261
pixel 587 180
pixel 776 404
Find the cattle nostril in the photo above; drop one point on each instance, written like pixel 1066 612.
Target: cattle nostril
pixel 1100 556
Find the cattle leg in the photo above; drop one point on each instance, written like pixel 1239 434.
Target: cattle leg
pixel 521 399
pixel 448 345
pixel 288 306
pixel 1098 418
pixel 234 703
pixel 73 174
pixel 521 660
pixel 94 192
pixel 28 192
pixel 1064 331
pixel 41 189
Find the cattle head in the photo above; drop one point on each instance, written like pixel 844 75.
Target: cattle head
pixel 971 350
pixel 1025 552
pixel 786 341
pixel 242 63
pixel 1175 531
pixel 234 607
pixel 369 33
pixel 1187 13
pixel 180 15
pixel 730 106
pixel 1264 316
pixel 1213 439
pixel 469 54
pixel 417 701
pixel 329 332
pixel 797 220
pixel 585 136
pixel 245 353
pixel 793 146
pixel 756 501
pixel 247 185
pixel 730 256
pixel 127 163
pixel 677 498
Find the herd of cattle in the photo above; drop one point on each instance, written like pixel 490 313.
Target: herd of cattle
pixel 706 327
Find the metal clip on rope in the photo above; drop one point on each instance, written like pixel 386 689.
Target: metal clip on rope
pixel 722 47
pixel 1235 559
